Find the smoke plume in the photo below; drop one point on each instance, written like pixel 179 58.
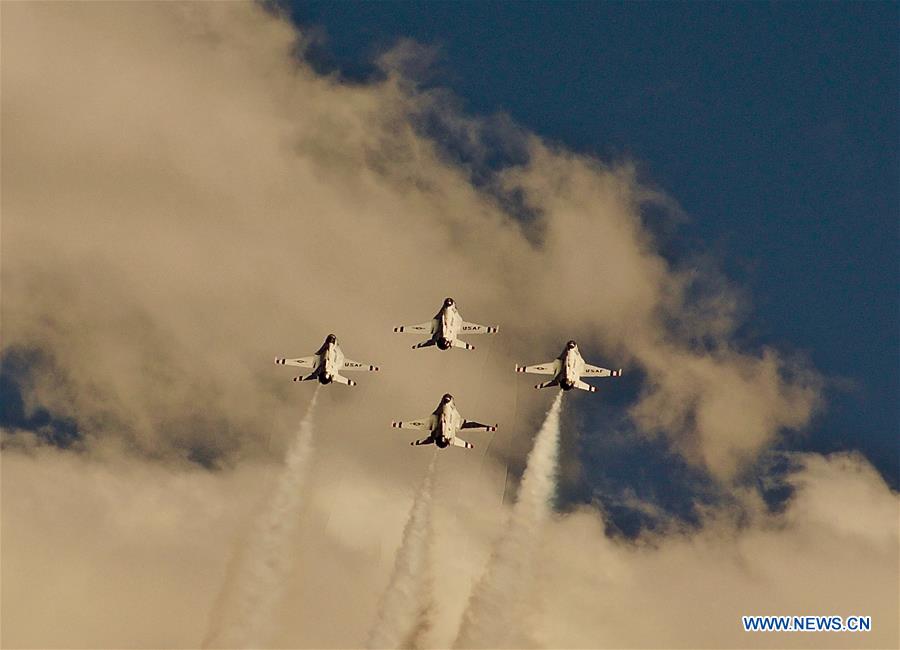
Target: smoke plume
pixel 267 558
pixel 404 607
pixel 495 613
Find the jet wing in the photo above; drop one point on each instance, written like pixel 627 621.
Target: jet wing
pixel 478 425
pixel 549 368
pixel 422 424
pixel 427 327
pixel 475 328
pixel 302 362
pixel 597 371
pixel 349 364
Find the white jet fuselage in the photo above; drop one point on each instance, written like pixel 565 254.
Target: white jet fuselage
pixel 571 368
pixel 446 424
pixel 448 326
pixel 331 361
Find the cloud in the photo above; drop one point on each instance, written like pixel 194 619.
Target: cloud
pixel 833 551
pixel 184 199
pixel 132 554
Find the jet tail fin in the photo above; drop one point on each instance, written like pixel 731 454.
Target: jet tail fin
pixel 548 384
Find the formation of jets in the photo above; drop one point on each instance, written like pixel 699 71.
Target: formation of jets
pixel 443 332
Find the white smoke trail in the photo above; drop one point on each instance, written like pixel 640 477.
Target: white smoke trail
pixel 267 558
pixel 402 615
pixel 497 608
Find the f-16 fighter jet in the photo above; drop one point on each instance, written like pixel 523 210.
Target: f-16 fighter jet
pixel 445 328
pixel 568 369
pixel 443 425
pixel 327 364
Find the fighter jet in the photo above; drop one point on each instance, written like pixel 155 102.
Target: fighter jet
pixel 568 369
pixel 327 364
pixel 443 425
pixel 445 328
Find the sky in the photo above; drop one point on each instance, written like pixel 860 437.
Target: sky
pixel 773 126
pixel 193 189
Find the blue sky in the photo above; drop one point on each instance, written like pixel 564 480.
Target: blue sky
pixel 773 125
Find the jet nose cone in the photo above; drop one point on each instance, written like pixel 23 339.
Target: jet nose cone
pixel 571 345
pixel 447 398
pixel 448 302
pixel 331 338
